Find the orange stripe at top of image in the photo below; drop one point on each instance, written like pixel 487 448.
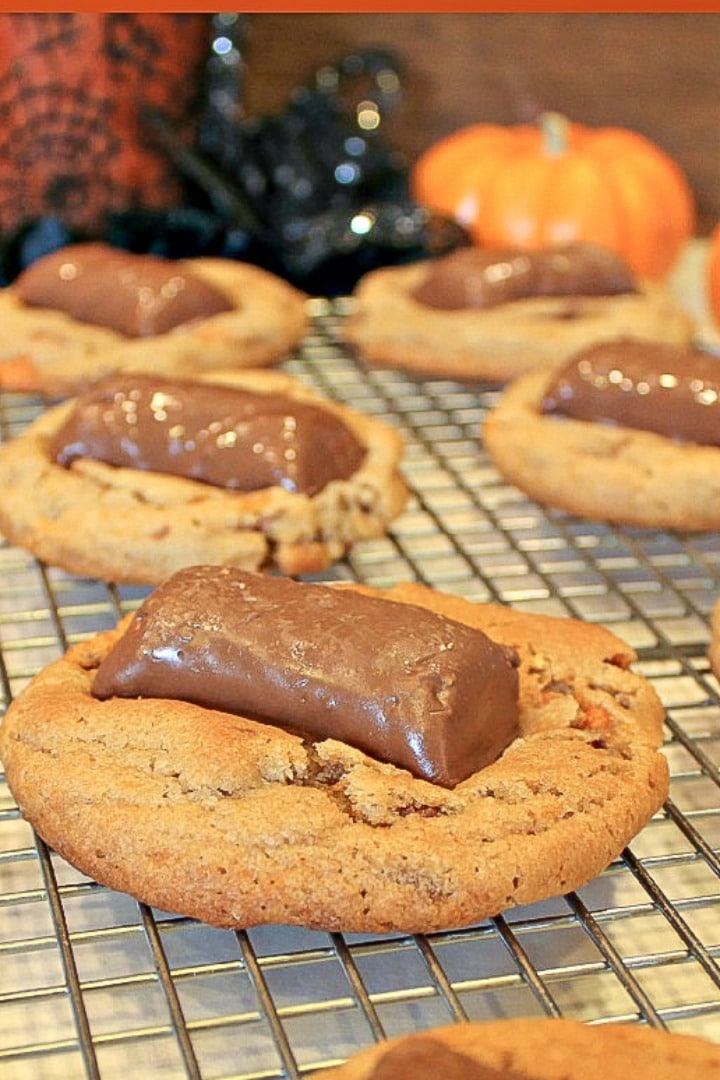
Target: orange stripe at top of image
pixel 400 6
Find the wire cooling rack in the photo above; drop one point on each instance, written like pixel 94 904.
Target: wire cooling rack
pixel 93 984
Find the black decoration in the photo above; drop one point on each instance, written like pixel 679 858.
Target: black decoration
pixel 313 194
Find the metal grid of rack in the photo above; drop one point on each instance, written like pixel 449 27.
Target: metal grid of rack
pixel 95 985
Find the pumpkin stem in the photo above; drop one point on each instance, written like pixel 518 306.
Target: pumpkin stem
pixel 554 133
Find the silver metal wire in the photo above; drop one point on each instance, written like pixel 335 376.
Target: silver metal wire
pixel 93 985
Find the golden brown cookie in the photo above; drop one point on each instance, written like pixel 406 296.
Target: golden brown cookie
pixel 536 1049
pixel 51 353
pixel 390 328
pixel 601 471
pixel 132 525
pixel 714 646
pixel 238 823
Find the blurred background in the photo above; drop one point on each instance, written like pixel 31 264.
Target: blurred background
pixel 654 73
pixel 289 140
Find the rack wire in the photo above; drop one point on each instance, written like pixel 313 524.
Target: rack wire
pixel 95 985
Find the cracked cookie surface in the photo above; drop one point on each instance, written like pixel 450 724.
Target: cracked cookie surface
pixel 390 328
pixel 601 471
pixel 133 525
pixel 239 823
pixel 536 1049
pixel 49 352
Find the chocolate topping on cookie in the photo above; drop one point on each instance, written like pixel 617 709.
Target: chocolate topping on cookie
pixel 474 278
pixel 402 684
pixel 135 295
pixel 232 438
pixel 425 1058
pixel 670 390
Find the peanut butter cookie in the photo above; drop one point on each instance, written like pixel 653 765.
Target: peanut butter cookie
pixel 239 821
pixel 714 646
pixel 536 1049
pixel 118 313
pixel 477 315
pixel 627 432
pixel 126 517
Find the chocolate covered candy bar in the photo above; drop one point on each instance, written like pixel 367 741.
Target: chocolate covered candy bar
pixel 403 684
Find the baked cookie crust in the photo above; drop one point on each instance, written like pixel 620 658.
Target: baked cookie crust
pixel 714 645
pixel 389 328
pixel 239 823
pixel 599 471
pixel 50 353
pixel 546 1049
pixel 130 525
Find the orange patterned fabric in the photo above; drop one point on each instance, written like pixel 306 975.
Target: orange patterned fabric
pixel 72 88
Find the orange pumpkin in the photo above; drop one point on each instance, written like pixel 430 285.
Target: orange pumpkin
pixel 558 182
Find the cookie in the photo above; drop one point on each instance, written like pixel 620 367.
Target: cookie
pixel 51 352
pixel 536 1049
pixel 714 646
pixel 390 326
pixel 606 469
pixel 138 525
pixel 239 822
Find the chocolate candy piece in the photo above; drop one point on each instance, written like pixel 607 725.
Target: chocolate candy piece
pixel 135 295
pixel 217 434
pixel 425 1058
pixel 401 683
pixel 473 278
pixel 667 389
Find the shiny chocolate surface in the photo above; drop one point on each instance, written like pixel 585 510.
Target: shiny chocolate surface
pixel 476 278
pixel 400 683
pixel 219 435
pixel 135 295
pixel 666 389
pixel 426 1058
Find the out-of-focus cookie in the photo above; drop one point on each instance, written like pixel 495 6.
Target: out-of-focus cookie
pixel 627 432
pixel 240 822
pixel 536 1049
pixel 88 310
pixel 492 315
pixel 133 492
pixel 714 646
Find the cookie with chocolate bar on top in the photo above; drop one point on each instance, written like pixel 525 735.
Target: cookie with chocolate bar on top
pixel 535 1049
pixel 88 310
pixel 627 432
pixel 143 475
pixel 250 749
pixel 493 314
